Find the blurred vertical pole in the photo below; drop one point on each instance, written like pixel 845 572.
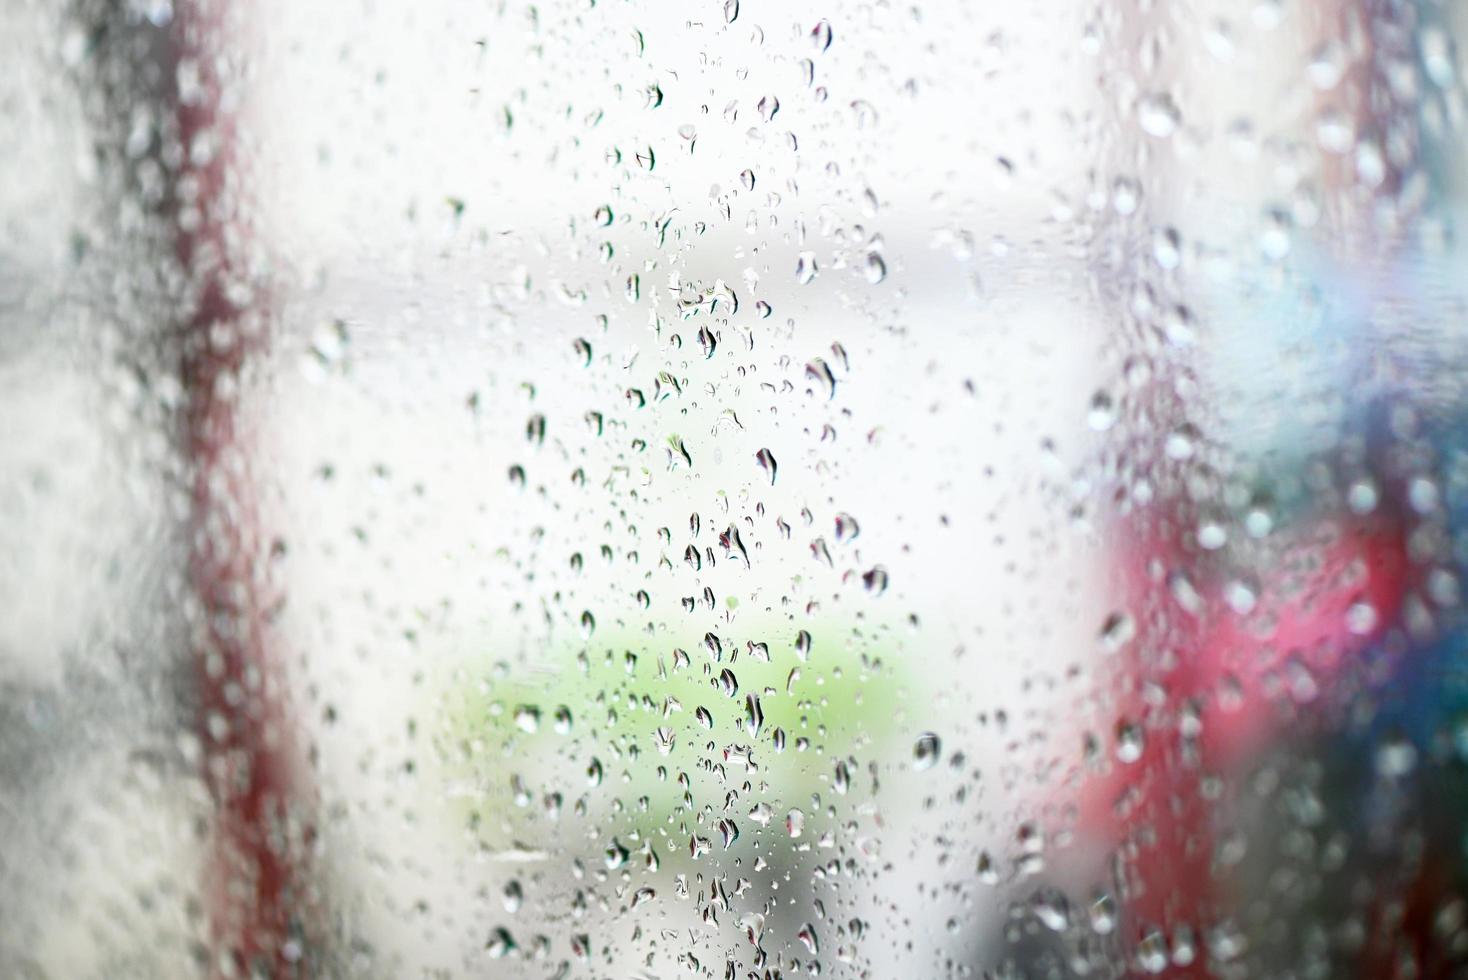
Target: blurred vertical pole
pixel 254 879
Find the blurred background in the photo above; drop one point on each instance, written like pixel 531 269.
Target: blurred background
pixel 634 488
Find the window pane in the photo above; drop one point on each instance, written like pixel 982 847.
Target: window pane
pixel 731 489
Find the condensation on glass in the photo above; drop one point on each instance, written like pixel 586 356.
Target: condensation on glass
pixel 732 489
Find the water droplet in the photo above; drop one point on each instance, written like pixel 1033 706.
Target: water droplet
pixel 875 580
pixel 754 716
pixel 1437 56
pixel 876 269
pixel 1362 497
pixel 1130 741
pixel 1211 536
pixel 1361 618
pixel 821 36
pixel 841 782
pixel 1051 908
pixel 731 11
pixel 1117 631
pixel 1158 114
pixel 1423 495
pixel 820 372
pixel 1152 952
pixel 747 179
pixel 1327 66
pixel 925 751
pixel 1126 195
pixel 794 823
pixel 987 871
pixel 1102 413
pixel 767 106
pixel 1103 914
pixel 766 460
pixel 805 267
pixel 500 944
pixel 802 645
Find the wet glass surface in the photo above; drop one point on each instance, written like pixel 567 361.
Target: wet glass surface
pixel 732 489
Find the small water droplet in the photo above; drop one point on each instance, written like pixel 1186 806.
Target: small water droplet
pixel 987 871
pixel 925 751
pixel 876 269
pixel 766 460
pixel 1126 195
pixel 1102 914
pixel 821 36
pixel 535 429
pixel 1361 618
pixel 1130 741
pixel 754 716
pixel 1211 536
pixel 806 267
pixel 841 782
pixel 820 372
pixel 500 944
pixel 802 645
pixel 1102 412
pixel 1117 631
pixel 1158 114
